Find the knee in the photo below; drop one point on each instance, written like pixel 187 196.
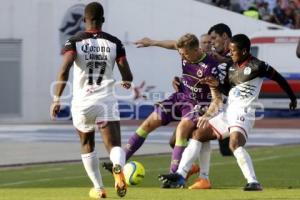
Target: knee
pixel 233 144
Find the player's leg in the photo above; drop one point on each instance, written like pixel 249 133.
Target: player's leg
pixel 91 163
pixel 111 135
pixel 189 155
pixel 83 121
pixel 203 182
pixel 192 151
pixel 217 128
pixel 237 142
pixel 241 121
pixel 183 130
pixel 224 147
pixel 152 122
pixel 172 139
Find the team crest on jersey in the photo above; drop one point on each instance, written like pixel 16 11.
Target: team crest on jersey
pixel 247 71
pixel 236 92
pixel 199 73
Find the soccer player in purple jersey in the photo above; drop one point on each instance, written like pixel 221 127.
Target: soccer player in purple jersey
pixel 245 77
pixel 94 54
pixel 187 102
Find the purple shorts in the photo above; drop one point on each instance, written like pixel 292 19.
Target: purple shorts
pixel 179 106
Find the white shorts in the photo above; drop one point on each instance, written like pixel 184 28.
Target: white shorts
pixel 86 117
pixel 232 120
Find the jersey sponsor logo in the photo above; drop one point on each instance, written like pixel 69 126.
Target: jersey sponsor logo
pixel 72 23
pixel 247 71
pixel 86 48
pixel 194 89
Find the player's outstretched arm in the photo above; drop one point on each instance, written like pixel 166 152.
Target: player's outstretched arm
pixel 62 78
pixel 272 74
pixel 125 72
pixel 147 42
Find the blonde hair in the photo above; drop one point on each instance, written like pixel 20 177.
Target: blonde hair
pixel 188 41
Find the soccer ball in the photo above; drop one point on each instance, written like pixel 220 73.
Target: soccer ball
pixel 134 172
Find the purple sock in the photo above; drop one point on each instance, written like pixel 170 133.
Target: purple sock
pixel 176 157
pixel 133 144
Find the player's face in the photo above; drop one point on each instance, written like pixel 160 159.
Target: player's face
pixel 205 43
pixel 189 54
pixel 236 54
pixel 217 41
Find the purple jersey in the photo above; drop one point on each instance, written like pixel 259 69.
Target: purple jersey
pixel 192 73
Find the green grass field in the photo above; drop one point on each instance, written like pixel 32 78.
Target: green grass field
pixel 277 168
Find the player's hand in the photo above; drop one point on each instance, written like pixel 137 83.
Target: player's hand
pixel 176 83
pixel 126 84
pixel 211 81
pixel 293 104
pixel 202 121
pixel 145 42
pixel 54 109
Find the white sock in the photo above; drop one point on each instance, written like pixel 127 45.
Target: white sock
pixel 205 160
pixel 245 163
pixel 91 165
pixel 117 156
pixel 189 155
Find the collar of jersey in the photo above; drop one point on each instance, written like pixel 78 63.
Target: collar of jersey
pixel 245 62
pixel 202 58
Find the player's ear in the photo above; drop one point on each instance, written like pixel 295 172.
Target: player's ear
pixel 84 19
pixel 103 20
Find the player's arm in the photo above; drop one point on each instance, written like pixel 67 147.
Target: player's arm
pixel 213 108
pixel 147 42
pixel 298 50
pixel 61 81
pixel 125 72
pixel 219 57
pixel 270 73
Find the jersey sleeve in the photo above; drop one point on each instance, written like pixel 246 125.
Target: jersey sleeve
pixel 120 50
pixel 265 70
pixel 70 46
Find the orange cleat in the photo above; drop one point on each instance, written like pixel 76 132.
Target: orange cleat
pixel 120 183
pixel 194 169
pixel 95 194
pixel 201 183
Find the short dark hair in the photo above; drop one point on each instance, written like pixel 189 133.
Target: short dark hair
pixel 188 41
pixel 94 12
pixel 242 42
pixel 220 29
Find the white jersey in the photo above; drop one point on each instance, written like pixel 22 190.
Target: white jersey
pixel 96 53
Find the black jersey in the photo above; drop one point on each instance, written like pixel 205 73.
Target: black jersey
pixel 246 79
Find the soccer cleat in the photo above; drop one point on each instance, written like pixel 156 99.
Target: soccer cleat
pixel 165 185
pixel 107 166
pixel 120 183
pixel 194 169
pixel 253 187
pixel 201 183
pixel 95 194
pixel 172 180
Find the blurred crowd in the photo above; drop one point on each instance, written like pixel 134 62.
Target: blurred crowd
pixel 281 12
